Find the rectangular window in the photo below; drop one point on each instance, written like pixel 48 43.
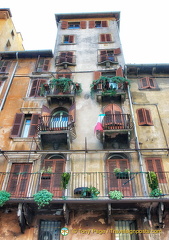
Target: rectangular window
pixel 4 65
pixel 68 39
pixel 155 165
pixel 25 125
pixel 42 65
pixel 144 117
pixel 107 55
pixel 122 229
pixel 97 24
pixel 74 25
pixel 49 230
pixel 148 83
pixel 105 38
pixel 66 57
pixel 36 86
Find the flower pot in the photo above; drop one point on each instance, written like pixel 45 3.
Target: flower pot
pixel 122 175
pixel 46 176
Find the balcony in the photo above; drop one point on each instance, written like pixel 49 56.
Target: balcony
pixel 135 188
pixel 62 89
pixel 55 132
pixel 106 89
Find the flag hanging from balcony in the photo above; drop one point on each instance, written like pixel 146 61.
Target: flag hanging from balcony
pixel 99 126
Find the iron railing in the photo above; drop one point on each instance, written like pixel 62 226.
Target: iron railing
pixel 24 185
pixel 117 121
pixel 52 123
pixel 106 58
pixel 69 60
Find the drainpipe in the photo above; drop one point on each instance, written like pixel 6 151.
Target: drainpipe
pixel 9 84
pixel 144 182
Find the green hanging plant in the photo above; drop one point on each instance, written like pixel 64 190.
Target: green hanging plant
pixel 152 180
pixel 4 197
pixel 62 85
pixel 43 197
pixel 90 192
pixel 156 193
pixel 65 177
pixel 115 195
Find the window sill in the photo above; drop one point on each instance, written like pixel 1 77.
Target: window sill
pixel 149 89
pixel 21 139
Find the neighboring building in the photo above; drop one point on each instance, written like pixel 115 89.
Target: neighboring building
pixel 10 39
pixel 81 113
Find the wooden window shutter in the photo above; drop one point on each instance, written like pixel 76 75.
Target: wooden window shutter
pixel 91 24
pixel 83 24
pixel 64 25
pixel 97 75
pixel 45 65
pixel 102 37
pixel 148 117
pixel 152 83
pixel 119 72
pixel 45 111
pixel 17 126
pixel 108 37
pixel 103 55
pixel 104 24
pixel 143 82
pixel 4 66
pixel 34 87
pixel 72 112
pixel 39 86
pixel 71 39
pixel 33 125
pixel 117 51
pixel 141 116
pixel 155 165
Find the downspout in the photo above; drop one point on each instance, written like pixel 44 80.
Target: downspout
pixel 9 84
pixel 144 182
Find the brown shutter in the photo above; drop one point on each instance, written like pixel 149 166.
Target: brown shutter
pixel 5 65
pixel 119 72
pixel 34 87
pixel 108 37
pixel 83 24
pixel 71 39
pixel 45 65
pixel 102 37
pixel 141 116
pixel 70 57
pixel 148 117
pixel 152 83
pixel 155 165
pixel 97 75
pixel 39 86
pixel 117 51
pixel 72 112
pixel 144 82
pixel 64 24
pixel 103 55
pixel 104 24
pixel 45 111
pixel 17 126
pixel 91 24
pixel 33 125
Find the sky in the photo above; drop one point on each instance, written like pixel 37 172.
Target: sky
pixel 143 24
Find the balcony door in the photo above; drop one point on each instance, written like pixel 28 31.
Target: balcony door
pixel 19 179
pixel 59 120
pixel 113 117
pixel 123 185
pixel 52 182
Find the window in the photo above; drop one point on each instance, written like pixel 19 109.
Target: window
pixel 8 45
pixel 4 65
pixel 12 34
pixel 144 117
pixel 42 65
pixel 36 87
pixel 148 83
pixel 18 183
pixel 97 24
pixel 125 226
pixel 113 182
pixel 107 55
pixel 49 230
pixel 155 165
pixel 73 25
pixel 68 39
pixel 105 38
pixel 25 125
pixel 66 57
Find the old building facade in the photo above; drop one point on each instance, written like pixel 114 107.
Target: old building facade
pixel 68 121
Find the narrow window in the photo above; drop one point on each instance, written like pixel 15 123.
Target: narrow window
pixel 12 34
pixel 36 87
pixel 68 39
pixel 42 65
pixel 155 165
pixel 144 117
pixel 105 38
pixel 4 65
pixel 49 230
pixel 122 230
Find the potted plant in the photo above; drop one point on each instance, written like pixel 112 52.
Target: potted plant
pixel 65 177
pixel 156 193
pixel 153 184
pixel 46 172
pixel 90 192
pixel 121 174
pixel 115 195
pixel 4 197
pixel 43 197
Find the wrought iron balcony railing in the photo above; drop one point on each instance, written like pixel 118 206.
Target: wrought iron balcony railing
pixel 106 58
pixel 24 185
pixel 69 60
pixel 117 121
pixel 53 123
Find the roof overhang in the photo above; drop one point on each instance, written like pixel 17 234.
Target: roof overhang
pixel 3 12
pixel 152 68
pixel 26 54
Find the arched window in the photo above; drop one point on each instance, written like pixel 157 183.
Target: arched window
pixel 59 118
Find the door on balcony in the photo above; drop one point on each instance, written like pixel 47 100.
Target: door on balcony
pixel 123 185
pixel 59 120
pixel 19 179
pixel 52 181
pixel 114 119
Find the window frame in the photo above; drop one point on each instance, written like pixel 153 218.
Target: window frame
pixel 4 66
pixel 144 117
pixel 35 87
pixel 71 39
pixel 42 65
pixel 92 24
pixel 148 83
pixel 105 37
